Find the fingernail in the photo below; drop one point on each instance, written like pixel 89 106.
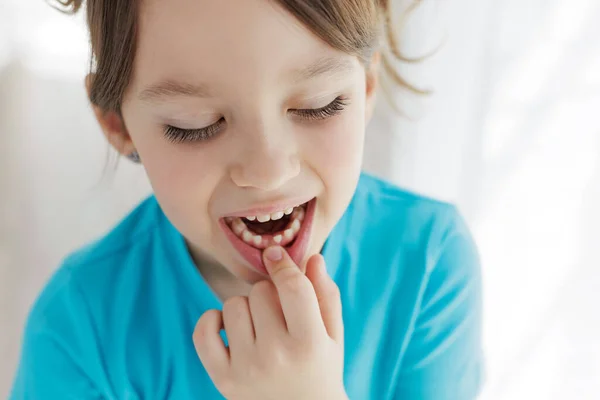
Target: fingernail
pixel 274 253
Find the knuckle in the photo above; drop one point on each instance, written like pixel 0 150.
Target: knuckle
pixel 302 353
pixel 332 292
pixel 224 382
pixel 261 288
pixel 277 356
pixel 235 305
pixel 259 368
pixel 273 358
pixel 256 371
pixel 212 315
pixel 206 320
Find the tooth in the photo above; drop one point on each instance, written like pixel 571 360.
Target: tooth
pixel 277 215
pixel 277 239
pixel 288 233
pixel 289 211
pixel 300 215
pixel 247 236
pixel 257 240
pixel 295 226
pixel 263 218
pixel 238 227
pixel 252 218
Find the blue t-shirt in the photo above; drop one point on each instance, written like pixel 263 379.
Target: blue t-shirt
pixel 116 320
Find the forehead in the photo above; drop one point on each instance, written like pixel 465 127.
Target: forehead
pixel 240 39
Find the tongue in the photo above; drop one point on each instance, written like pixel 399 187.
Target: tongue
pixel 267 227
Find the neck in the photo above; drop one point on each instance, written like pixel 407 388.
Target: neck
pixel 218 278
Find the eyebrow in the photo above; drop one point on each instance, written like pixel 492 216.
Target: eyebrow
pixel 172 88
pixel 323 66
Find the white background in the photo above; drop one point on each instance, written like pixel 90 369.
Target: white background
pixel 510 134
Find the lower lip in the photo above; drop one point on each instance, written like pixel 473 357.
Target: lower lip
pixel 296 251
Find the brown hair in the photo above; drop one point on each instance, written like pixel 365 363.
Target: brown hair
pixel 352 26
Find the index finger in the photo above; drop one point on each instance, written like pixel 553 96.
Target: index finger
pixel 296 294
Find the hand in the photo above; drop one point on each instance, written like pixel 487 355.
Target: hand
pixel 285 338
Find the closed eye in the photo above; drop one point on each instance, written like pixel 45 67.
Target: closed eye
pixel 335 107
pixel 178 135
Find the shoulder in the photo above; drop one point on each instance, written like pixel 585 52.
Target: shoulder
pixel 131 232
pixel 72 318
pixel 383 197
pixel 91 271
pixel 404 220
pixel 408 266
pixel 394 246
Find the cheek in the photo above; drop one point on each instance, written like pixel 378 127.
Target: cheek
pixel 182 176
pixel 166 166
pixel 335 155
pixel 336 148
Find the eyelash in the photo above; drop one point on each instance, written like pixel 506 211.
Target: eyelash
pixel 178 135
pixel 335 107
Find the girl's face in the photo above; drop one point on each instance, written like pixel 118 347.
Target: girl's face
pixel 236 109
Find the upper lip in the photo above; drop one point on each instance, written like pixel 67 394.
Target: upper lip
pixel 269 207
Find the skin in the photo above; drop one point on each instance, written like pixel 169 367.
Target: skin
pixel 246 54
pixel 286 339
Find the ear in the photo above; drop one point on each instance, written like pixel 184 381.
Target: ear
pixel 372 80
pixel 112 124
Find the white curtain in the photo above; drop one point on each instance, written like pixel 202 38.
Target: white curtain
pixel 510 134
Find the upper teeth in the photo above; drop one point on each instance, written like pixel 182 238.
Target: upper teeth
pixel 263 218
pixel 277 215
pixel 270 217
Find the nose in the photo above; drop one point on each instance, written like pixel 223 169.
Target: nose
pixel 268 159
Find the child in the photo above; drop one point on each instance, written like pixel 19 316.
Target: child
pixel 265 265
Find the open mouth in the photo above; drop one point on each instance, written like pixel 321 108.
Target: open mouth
pixel 287 228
